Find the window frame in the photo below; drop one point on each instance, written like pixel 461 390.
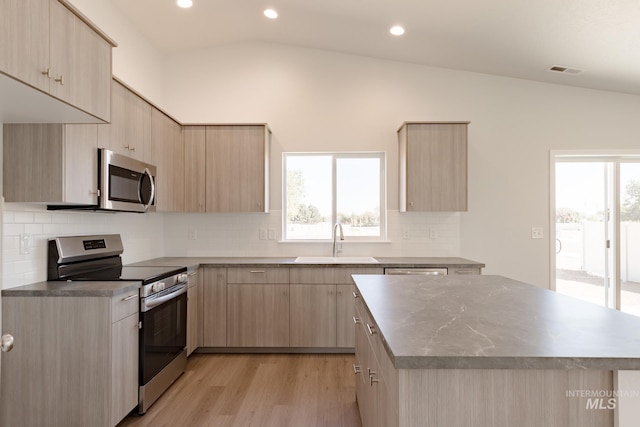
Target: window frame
pixel 381 155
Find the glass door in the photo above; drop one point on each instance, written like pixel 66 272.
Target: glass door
pixel 630 237
pixel 584 230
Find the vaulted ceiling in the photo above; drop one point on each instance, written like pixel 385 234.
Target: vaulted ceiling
pixel 514 38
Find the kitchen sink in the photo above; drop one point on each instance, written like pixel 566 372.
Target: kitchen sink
pixel 336 260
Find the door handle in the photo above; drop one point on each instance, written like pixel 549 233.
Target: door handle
pixel 6 343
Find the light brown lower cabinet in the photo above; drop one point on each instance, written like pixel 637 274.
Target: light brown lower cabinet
pixel 258 315
pixel 75 360
pixel 214 307
pixel 313 315
pixel 193 311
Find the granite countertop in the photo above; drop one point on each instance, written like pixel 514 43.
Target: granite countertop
pixel 401 262
pixel 72 289
pixel 492 322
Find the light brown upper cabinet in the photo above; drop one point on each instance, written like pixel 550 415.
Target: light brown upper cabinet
pixel 167 154
pixel 49 45
pixel 51 163
pixel 433 166
pixel 237 168
pixel 194 169
pixel 129 132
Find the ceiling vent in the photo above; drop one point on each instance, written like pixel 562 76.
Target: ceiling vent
pixel 564 70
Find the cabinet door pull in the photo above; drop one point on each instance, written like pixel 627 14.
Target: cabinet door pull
pixel 356 369
pixel 256 271
pixel 47 73
pixel 355 294
pixel 372 380
pixel 464 271
pixel 371 329
pixel 356 320
pixel 60 80
pixel 130 297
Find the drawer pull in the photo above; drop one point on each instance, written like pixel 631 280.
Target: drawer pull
pixel 355 294
pixel 356 369
pixel 356 320
pixel 467 271
pixel 130 297
pixel 372 380
pixel 371 329
pixel 257 271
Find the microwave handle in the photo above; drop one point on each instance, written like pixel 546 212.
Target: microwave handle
pixel 153 188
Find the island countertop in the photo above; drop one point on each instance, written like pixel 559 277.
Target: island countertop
pixel 493 322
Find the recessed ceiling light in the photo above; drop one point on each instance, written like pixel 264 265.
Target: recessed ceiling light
pixel 397 30
pixel 184 3
pixel 270 13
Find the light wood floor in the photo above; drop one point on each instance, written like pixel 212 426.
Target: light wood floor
pixel 258 390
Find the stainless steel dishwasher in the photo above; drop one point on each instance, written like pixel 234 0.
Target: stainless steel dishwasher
pixel 417 271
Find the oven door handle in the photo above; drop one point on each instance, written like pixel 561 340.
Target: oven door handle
pixel 149 303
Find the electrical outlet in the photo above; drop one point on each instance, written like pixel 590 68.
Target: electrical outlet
pixel 271 234
pixel 26 242
pixel 192 234
pixel 537 233
pixel 405 234
pixel 263 234
pixel 433 233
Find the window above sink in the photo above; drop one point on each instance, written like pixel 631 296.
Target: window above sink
pixel 322 189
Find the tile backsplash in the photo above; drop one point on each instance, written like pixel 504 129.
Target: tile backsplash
pixel 153 235
pixel 142 237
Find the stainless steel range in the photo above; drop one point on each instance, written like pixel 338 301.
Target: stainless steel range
pixel 163 304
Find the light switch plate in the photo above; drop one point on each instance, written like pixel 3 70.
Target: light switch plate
pixel 26 243
pixel 263 234
pixel 537 233
pixel 271 234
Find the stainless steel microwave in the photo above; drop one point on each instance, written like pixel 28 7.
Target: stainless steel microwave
pixel 125 184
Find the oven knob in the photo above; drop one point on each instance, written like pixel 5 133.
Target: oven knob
pixel 157 287
pixel 183 277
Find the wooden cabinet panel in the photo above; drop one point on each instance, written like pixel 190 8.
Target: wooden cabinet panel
pixel 193 313
pixel 50 163
pixel 194 169
pixel 168 157
pixel 24 41
pixel 124 367
pixel 237 159
pixel 330 274
pixel 257 315
pixel 433 166
pixel 344 316
pixel 52 379
pixel 46 45
pixel 125 305
pixel 312 315
pixel 80 63
pixel 214 307
pixel 129 132
pixel 257 275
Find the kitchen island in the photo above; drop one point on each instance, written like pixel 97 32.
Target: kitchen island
pixel 486 351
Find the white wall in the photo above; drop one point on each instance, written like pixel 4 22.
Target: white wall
pixel 322 101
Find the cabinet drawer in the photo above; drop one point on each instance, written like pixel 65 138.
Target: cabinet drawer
pixel 257 275
pixel 124 305
pixel 329 275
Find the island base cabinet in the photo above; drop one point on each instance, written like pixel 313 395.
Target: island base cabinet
pixel 504 398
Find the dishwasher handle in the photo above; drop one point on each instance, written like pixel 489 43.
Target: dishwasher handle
pixel 417 271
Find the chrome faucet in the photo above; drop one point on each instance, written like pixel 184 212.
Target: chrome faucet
pixel 338 225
